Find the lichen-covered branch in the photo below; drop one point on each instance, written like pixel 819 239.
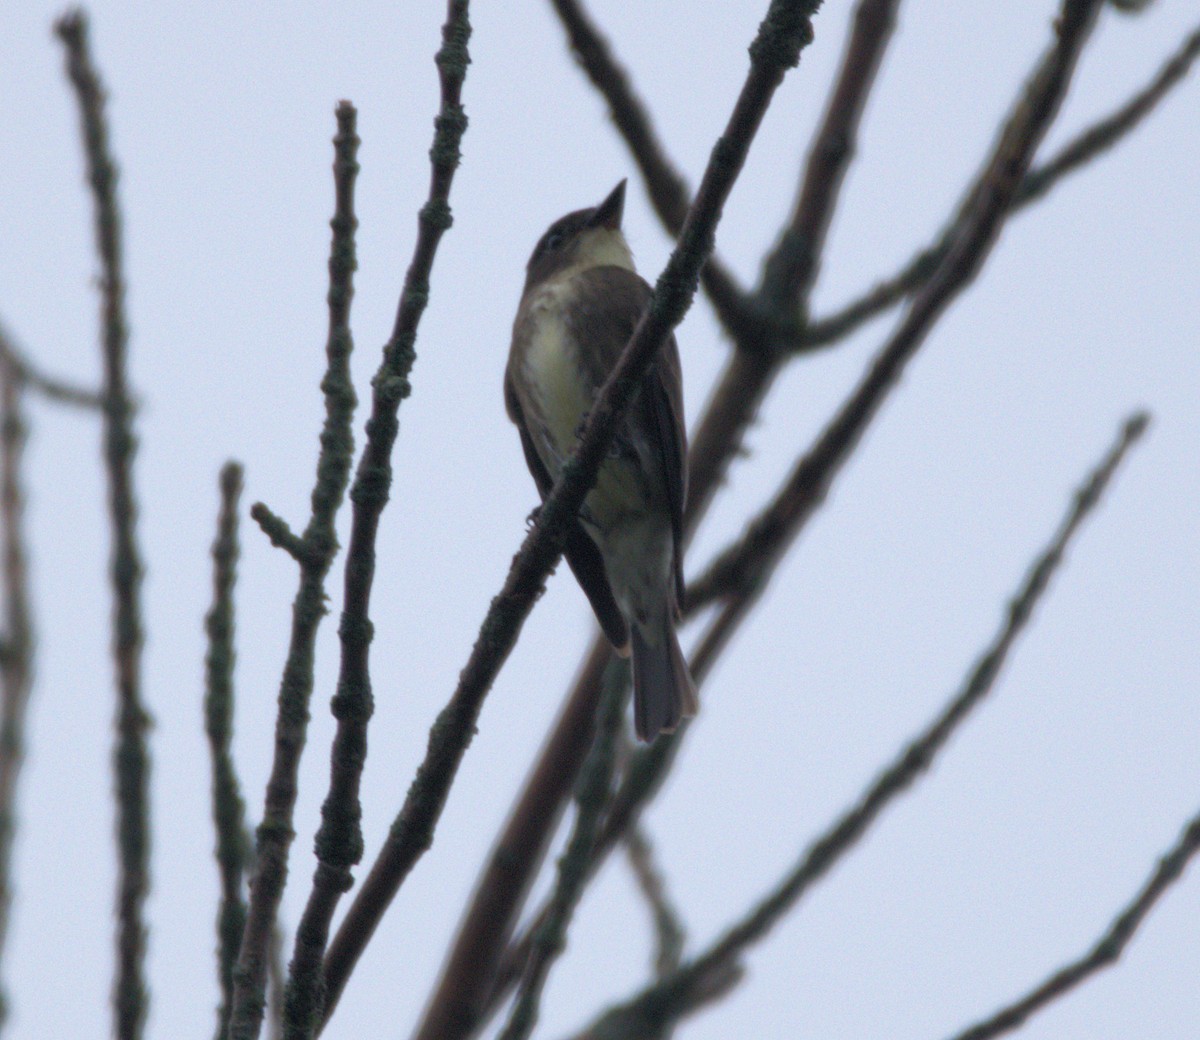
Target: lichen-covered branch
pixel 131 756
pixel 314 551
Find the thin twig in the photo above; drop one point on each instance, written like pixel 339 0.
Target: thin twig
pixel 339 839
pixel 783 33
pixel 314 552
pixel 688 988
pixel 16 661
pixel 810 482
pixel 131 756
pixel 668 930
pixel 279 531
pixel 790 270
pixel 591 799
pixel 669 193
pixel 51 388
pixel 1107 950
pixel 228 809
pixel 1089 144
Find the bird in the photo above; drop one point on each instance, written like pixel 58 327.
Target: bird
pixel 580 304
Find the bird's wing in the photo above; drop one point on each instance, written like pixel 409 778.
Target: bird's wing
pixel 609 303
pixel 581 552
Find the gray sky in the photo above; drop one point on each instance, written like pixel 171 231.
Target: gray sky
pixel 1039 821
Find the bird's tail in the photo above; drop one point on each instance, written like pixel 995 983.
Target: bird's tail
pixel 663 691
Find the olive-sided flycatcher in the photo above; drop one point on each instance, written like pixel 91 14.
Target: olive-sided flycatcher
pixel 581 302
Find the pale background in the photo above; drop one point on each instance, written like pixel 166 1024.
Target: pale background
pixel 1043 816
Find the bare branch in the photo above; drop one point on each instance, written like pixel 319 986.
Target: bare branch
pixel 741 572
pixel 131 756
pixel 669 193
pixel 339 840
pixel 26 373
pixel 228 809
pixel 791 268
pixel 689 987
pixel 1090 144
pixel 518 852
pixel 783 33
pixel 314 551
pixel 16 660
pixel 668 929
pixel 1108 948
pixel 594 791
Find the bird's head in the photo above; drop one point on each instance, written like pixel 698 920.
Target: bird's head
pixel 586 238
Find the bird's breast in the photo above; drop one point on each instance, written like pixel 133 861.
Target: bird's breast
pixel 556 379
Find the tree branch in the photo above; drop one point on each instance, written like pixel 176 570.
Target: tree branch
pixel 131 756
pixel 1090 144
pixel 314 551
pixel 16 661
pixel 228 809
pixel 592 796
pixel 783 33
pixel 669 193
pixel 1108 948
pixel 689 987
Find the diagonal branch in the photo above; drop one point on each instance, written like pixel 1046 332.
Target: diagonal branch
pixel 743 569
pixel 689 988
pixel 339 842
pixel 669 193
pixel 1039 181
pixel 783 33
pixel 509 871
pixel 1108 948
pixel 131 756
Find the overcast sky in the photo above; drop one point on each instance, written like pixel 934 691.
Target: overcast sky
pixel 1039 821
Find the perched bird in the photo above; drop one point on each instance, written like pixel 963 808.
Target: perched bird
pixel 581 301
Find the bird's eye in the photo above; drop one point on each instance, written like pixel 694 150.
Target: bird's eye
pixel 554 240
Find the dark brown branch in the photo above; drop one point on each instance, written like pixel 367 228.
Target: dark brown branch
pixel 668 929
pixel 339 841
pixel 314 551
pixel 131 756
pixel 669 194
pixel 810 482
pixel 1107 950
pixel 505 880
pixel 1090 144
pixel 741 571
pixel 16 658
pixel 691 986
pixel 26 373
pixel 228 808
pixel 791 268
pixel 783 33
pixel 592 795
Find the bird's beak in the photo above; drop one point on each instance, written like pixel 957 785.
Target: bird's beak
pixel 608 213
